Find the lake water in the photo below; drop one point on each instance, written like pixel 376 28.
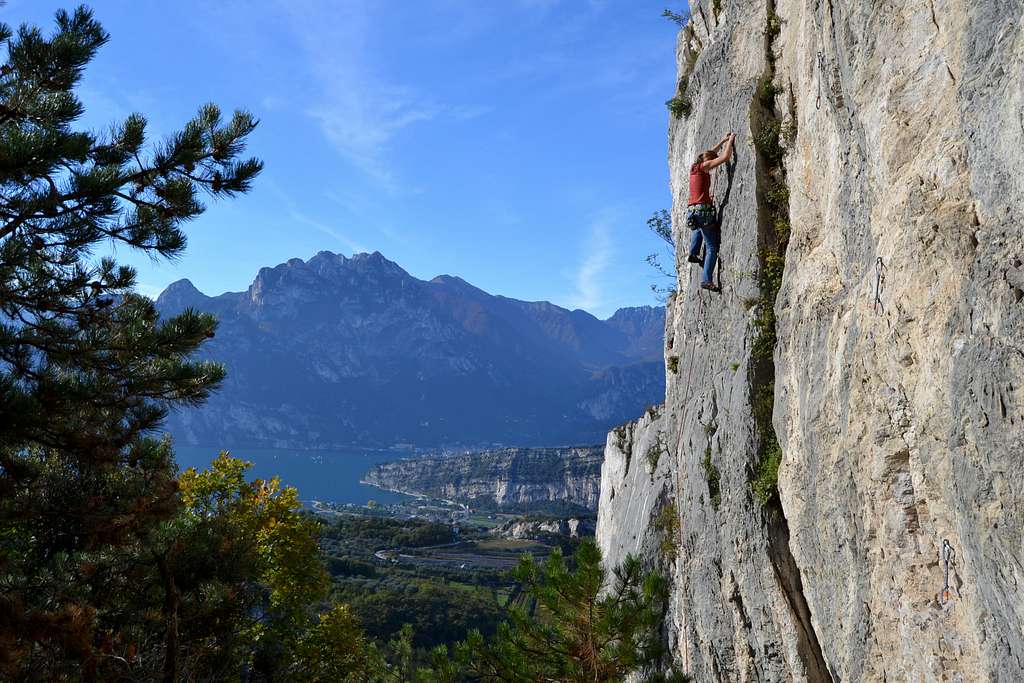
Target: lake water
pixel 318 475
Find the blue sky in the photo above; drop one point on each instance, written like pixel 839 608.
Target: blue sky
pixel 518 144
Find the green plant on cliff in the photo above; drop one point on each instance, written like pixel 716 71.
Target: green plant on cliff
pixel 772 29
pixel 666 524
pixel 660 223
pixel 654 452
pixel 673 364
pixel 680 19
pixel 653 456
pixel 766 91
pixel 766 474
pixel 624 443
pixel 680 105
pixel 771 143
pixel 712 477
pixel 768 142
pixel 788 129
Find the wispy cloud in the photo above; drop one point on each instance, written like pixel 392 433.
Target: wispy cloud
pixel 293 212
pixel 360 109
pixel 597 254
pixel 543 5
pixel 299 217
pixel 355 205
pixel 361 120
pixel 468 113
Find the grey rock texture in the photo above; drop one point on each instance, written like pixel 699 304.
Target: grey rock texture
pixel 572 527
pixel 636 484
pixel 901 420
pixel 504 477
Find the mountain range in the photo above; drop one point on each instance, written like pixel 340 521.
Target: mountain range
pixel 354 351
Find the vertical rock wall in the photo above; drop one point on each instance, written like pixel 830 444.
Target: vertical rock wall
pixel 636 488
pixel 896 378
pixel 902 419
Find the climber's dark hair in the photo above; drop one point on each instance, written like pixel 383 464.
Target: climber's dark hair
pixel 706 155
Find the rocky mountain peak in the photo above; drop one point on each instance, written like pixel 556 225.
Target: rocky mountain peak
pixel 451 280
pixel 182 287
pixel 634 314
pixel 180 295
pixel 326 274
pixel 354 350
pixel 376 263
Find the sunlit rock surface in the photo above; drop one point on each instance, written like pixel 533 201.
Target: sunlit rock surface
pixel 503 477
pixel 898 397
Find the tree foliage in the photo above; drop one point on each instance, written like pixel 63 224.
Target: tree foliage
pixel 245 562
pixel 107 570
pixel 680 19
pixel 360 534
pixel 113 566
pixel 660 223
pixel 570 629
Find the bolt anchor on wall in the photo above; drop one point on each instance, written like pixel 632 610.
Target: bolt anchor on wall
pixel 948 554
pixel 879 283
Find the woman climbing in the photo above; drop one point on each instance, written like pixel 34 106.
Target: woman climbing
pixel 700 212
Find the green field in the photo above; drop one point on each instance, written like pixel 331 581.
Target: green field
pixel 488 520
pixel 511 545
pixel 442 583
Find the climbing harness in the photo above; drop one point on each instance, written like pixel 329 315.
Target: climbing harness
pixel 700 216
pixel 879 279
pixel 821 75
pixel 948 555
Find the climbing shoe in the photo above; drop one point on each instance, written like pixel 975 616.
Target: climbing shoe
pixel 710 286
pixel 695 259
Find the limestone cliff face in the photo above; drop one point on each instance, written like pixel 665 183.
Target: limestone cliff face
pixel 519 529
pixel 877 173
pixel 503 477
pixel 636 487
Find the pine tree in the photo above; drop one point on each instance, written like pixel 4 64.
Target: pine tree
pixel 570 629
pixel 87 370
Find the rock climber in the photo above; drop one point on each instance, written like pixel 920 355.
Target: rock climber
pixel 701 217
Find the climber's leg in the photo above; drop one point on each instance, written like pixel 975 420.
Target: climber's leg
pixel 695 242
pixel 712 237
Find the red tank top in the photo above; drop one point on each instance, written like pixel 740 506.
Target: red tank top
pixel 700 186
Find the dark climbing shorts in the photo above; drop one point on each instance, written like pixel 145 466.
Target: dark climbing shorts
pixel 701 216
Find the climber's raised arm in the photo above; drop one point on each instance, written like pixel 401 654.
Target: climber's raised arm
pixel 721 142
pixel 710 163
